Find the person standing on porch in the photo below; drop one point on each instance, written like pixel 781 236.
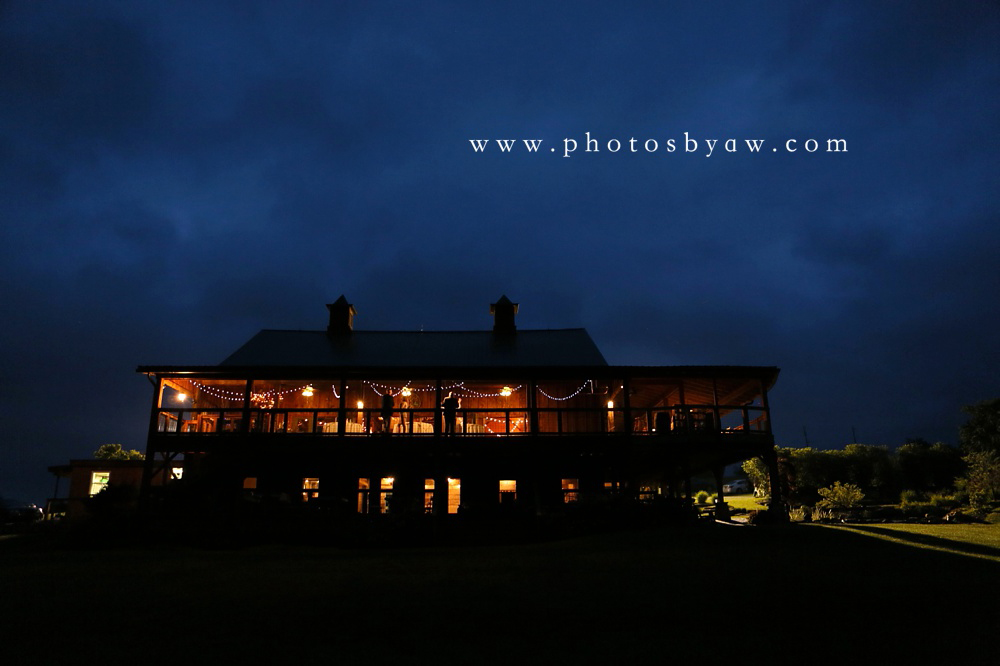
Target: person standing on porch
pixel 388 405
pixel 451 405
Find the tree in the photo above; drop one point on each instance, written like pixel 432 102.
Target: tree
pixel 982 431
pixel 928 468
pixel 756 471
pixel 116 452
pixel 982 480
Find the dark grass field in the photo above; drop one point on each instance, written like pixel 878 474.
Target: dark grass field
pixel 705 593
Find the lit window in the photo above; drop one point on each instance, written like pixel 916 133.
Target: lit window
pixel 363 486
pixel 310 488
pixel 250 483
pixel 571 490
pixel 508 492
pixel 454 495
pixel 428 495
pixel 98 482
pixel 385 494
pixel 176 473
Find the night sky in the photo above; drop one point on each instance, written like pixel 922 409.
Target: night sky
pixel 176 176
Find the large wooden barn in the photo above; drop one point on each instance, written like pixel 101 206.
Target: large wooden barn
pixel 459 422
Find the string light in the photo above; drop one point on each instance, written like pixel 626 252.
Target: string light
pixel 572 395
pixel 406 390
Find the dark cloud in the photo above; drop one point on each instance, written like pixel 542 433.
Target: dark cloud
pixel 174 177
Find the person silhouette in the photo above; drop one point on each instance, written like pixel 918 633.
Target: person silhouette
pixel 451 405
pixel 388 405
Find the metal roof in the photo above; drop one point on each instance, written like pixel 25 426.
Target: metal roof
pixel 409 349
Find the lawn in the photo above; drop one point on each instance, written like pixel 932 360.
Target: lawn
pixel 792 594
pixel 748 502
pixel 969 539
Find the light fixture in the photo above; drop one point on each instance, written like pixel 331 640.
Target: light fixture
pixel 361 404
pixel 308 391
pixel 406 392
pixel 611 404
pixel 506 391
pixel 181 397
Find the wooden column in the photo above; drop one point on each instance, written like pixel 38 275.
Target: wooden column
pixel 775 506
pixel 147 467
pixel 342 410
pixel 721 508
pixel 247 393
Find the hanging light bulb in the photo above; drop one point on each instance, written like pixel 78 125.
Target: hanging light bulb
pixel 506 391
pixel 308 391
pixel 407 392
pixel 181 397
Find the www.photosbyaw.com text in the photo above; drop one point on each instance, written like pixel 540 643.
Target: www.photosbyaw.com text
pixel 689 144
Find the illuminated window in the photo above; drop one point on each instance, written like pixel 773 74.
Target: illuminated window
pixel 613 487
pixel 363 487
pixel 310 488
pixel 454 495
pixel 647 493
pixel 571 490
pixel 250 483
pixel 428 495
pixel 176 473
pixel 508 492
pixel 385 494
pixel 98 482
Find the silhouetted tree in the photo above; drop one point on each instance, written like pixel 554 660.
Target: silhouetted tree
pixel 928 468
pixel 116 452
pixel 982 431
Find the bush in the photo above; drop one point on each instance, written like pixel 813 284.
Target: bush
pixel 701 497
pixel 840 496
pixel 801 514
pixel 944 501
pixel 910 497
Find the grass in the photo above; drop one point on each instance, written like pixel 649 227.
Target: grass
pixel 975 540
pixel 789 594
pixel 748 502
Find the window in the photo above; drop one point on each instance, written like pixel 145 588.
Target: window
pixel 363 488
pixel 508 492
pixel 176 473
pixel 310 488
pixel 571 490
pixel 250 483
pixel 385 494
pixel 454 495
pixel 98 482
pixel 428 495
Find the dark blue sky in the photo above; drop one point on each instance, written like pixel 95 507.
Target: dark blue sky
pixel 176 176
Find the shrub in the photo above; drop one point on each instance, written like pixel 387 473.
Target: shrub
pixel 801 514
pixel 910 497
pixel 944 501
pixel 701 497
pixel 840 496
